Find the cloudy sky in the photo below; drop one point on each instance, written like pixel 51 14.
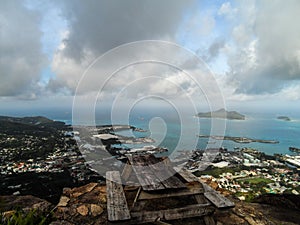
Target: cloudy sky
pixel 251 47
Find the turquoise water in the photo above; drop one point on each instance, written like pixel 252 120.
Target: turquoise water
pixel 287 133
pixel 166 127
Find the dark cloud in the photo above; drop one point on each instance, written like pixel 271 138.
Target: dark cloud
pixel 21 58
pixel 213 50
pixel 99 26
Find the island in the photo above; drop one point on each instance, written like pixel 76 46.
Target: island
pixel 242 140
pixel 285 118
pixel 223 114
pixel 294 149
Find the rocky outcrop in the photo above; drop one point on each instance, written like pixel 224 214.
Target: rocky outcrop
pixel 82 205
pixel 87 205
pixel 26 203
pixel 268 209
pixel 257 214
pixel 11 205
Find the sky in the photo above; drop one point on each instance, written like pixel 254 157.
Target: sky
pixel 249 49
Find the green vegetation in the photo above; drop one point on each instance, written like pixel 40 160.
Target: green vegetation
pixel 257 187
pixel 249 196
pixel 30 137
pixel 19 217
pixel 257 180
pixel 222 113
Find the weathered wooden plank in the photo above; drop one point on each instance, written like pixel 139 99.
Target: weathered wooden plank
pixel 144 174
pixel 209 220
pixel 116 202
pixel 136 197
pixel 147 179
pixel 218 200
pixel 161 223
pixel 157 171
pixel 187 175
pixel 166 177
pixel 164 173
pixel 200 198
pixel 126 172
pixel 207 188
pixel 184 192
pixel 173 214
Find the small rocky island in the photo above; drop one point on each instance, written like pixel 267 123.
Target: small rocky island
pixel 223 114
pixel 285 118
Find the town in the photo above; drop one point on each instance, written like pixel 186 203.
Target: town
pixel 245 173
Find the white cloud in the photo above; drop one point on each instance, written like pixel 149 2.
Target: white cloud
pixel 21 58
pixel 292 92
pixel 227 10
pixel 264 53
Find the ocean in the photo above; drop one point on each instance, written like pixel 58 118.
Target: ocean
pixel 178 132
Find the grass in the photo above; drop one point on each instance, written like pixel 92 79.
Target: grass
pixel 216 172
pixel 257 180
pixel 21 218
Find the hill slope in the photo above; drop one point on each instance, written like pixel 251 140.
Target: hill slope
pixel 223 114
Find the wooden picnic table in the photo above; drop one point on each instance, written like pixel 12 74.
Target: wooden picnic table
pixel 157 179
pixel 154 174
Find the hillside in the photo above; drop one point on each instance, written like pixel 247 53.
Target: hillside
pixel 223 114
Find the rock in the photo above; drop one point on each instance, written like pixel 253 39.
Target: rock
pixel 67 192
pixel 251 221
pixel 230 219
pixel 61 222
pixel 76 192
pixel 101 189
pixel 238 212
pixel 43 206
pixel 63 201
pixel 96 210
pixel 65 213
pixel 214 185
pixel 9 202
pixel 82 210
pixel 84 204
pixel 224 192
pixel 242 198
pixel 102 198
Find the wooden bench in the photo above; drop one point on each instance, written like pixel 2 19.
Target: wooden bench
pixel 117 207
pixel 186 175
pixel 212 195
pixel 173 214
pixel 216 198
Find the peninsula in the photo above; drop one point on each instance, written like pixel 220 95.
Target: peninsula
pixel 223 114
pixel 243 140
